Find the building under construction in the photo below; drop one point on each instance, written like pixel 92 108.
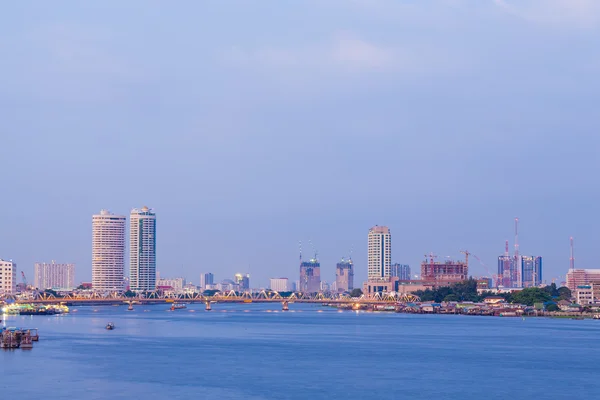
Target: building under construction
pixel 310 276
pixel 444 273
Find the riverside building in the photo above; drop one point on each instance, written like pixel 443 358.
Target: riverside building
pixel 108 251
pixel 8 277
pixel 142 249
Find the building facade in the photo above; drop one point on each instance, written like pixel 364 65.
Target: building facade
pixel 310 276
pixel 206 279
pixel 531 271
pixel 8 277
pixel 175 284
pixel 508 275
pixel 108 251
pixel 379 253
pixel 54 276
pixel 344 276
pixel 243 281
pixel 580 277
pixel 442 273
pixel 279 284
pixel 142 249
pixel 401 271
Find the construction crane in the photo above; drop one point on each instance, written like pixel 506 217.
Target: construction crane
pixel 493 276
pixel 24 279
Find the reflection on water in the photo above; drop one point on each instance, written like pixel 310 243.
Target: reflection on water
pixel 256 351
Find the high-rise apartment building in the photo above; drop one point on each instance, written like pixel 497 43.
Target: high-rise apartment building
pixel 380 253
pixel 8 277
pixel 531 271
pixel 54 276
pixel 142 249
pixel 206 279
pixel 401 271
pixel 310 276
pixel 279 284
pixel 344 276
pixel 108 251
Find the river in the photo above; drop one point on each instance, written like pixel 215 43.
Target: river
pixel 256 351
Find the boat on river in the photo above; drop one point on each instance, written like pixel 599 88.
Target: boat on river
pixel 110 326
pixel 178 306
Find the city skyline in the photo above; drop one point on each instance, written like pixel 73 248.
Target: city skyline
pixel 329 270
pixel 252 135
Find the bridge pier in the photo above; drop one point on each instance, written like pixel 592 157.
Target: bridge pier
pixel 285 305
pixel 208 307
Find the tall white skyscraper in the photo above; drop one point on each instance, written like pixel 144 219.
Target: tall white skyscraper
pixel 380 252
pixel 54 276
pixel 142 249
pixel 108 251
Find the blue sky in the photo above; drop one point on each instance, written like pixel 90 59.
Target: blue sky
pixel 249 126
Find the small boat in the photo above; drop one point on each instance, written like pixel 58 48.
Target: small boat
pixel 596 316
pixel 26 341
pixel 110 326
pixel 178 306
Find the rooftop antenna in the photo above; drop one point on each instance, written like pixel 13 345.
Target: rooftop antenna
pixel 350 257
pixel 516 238
pixel 516 264
pixel 300 246
pixel 572 259
pixel 506 249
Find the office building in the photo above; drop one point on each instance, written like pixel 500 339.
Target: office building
pixel 310 276
pixel 279 284
pixel 379 253
pixel 8 277
pixel 142 249
pixel 108 251
pixel 243 281
pixel 206 279
pixel 54 276
pixel 401 271
pixel 531 271
pixel 344 276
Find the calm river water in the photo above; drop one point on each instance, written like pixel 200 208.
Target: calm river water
pixel 311 352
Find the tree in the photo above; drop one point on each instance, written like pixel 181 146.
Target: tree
pixel 129 293
pixel 530 296
pixel 552 307
pixel 564 293
pixel 356 292
pixel 552 290
pixel 210 292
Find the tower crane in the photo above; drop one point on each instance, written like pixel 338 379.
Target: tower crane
pixel 24 279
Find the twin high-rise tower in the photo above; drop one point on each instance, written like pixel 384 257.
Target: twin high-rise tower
pixel 142 249
pixel 108 250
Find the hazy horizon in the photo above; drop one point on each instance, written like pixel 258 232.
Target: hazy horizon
pixel 251 126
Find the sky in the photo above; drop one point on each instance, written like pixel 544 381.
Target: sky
pixel 249 126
